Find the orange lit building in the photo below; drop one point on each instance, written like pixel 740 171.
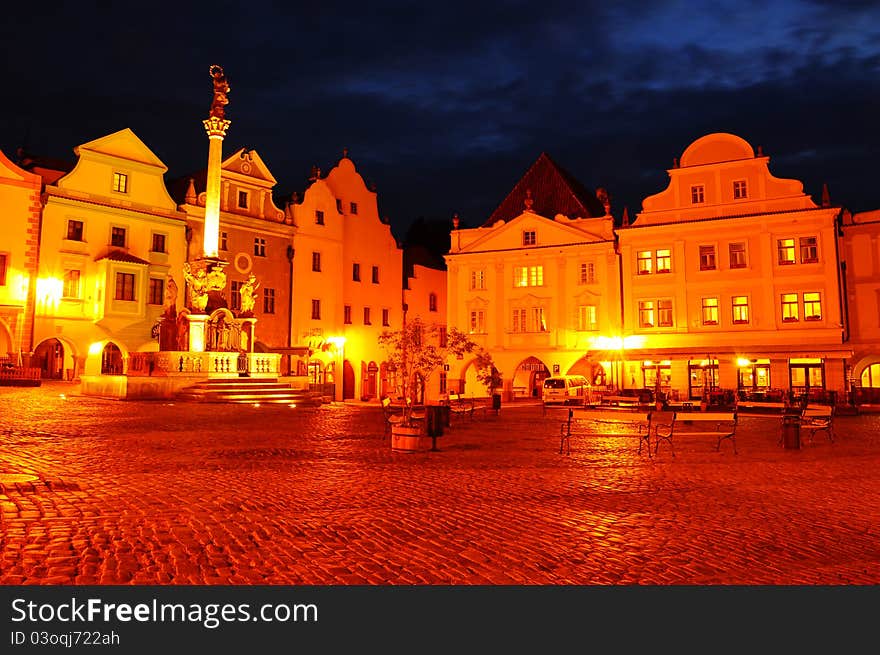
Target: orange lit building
pixel 20 203
pixel 424 295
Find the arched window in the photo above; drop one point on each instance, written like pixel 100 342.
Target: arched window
pixel 111 360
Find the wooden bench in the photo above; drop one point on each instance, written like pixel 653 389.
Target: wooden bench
pixel 461 406
pixel 721 425
pixel 588 421
pixel 761 405
pixel 816 418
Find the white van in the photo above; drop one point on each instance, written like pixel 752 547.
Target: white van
pixel 565 389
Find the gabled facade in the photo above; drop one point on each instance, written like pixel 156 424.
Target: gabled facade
pixel 731 280
pixel 538 291
pixel 20 202
pixel 255 237
pixel 347 284
pixel 110 236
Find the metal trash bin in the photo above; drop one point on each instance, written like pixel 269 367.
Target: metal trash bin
pixel 791 432
pixel 434 420
pixel 496 402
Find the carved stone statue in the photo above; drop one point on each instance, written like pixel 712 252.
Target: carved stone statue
pixel 198 286
pixel 248 294
pixel 221 88
pixel 170 297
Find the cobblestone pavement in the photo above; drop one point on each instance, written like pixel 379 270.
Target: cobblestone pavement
pixel 96 491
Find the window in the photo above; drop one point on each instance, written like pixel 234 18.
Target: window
pixel 586 318
pixel 386 316
pixel 259 246
pixel 120 182
pixel 646 313
pixel 789 307
pixel 809 250
pixel 443 382
pixel 710 311
pixel 538 322
pixel 477 322
pixel 375 275
pixel 338 205
pixel 645 262
pixel 740 306
pixel 432 302
pixel 158 242
pixel 316 309
pixel 356 272
pixel 697 194
pixel 117 237
pixel 737 252
pixel 354 208
pixel 664 261
pixel 519 320
pixel 812 307
pixel 157 289
pixel 346 314
pixel 235 295
pixel 367 316
pixel 785 247
pixel 316 262
pixel 664 315
pixel 587 273
pixel 740 190
pixel 243 199
pixel 224 237
pixel 528 276
pixel 707 258
pixel 442 336
pixel 529 238
pixel 268 301
pixel 478 279
pixel 4 263
pixel 75 230
pixel 319 217
pixel 71 287
pixel 124 286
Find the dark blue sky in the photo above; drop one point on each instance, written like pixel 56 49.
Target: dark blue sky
pixel 444 107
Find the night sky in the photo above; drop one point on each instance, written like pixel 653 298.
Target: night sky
pixel 444 107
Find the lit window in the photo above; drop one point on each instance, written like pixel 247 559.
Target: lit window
pixel 243 199
pixel 386 321
pixel 477 324
pixel 740 305
pixel 316 309
pixel 587 273
pixel 587 318
pixel 268 301
pixel 646 313
pixel 74 230
pixel 117 237
pixel 120 182
pixel 71 283
pixel 519 320
pixel 645 262
pixel 235 294
pixel 319 217
pixel 354 208
pixel 124 286
pixel 375 275
pixel 158 242
pixel 157 289
pixel 528 276
pixel 707 258
pixel 224 236
pixel 346 314
pixel 812 307
pixel 789 307
pixel 664 261
pixel 809 250
pixel 538 322
pixel 664 313
pixel 259 246
pixel 710 311
pixel 316 262
pixel 367 316
pixel 697 194
pixel 478 279
pixel 739 190
pixel 737 253
pixel 785 247
pixel 356 272
pixel 432 302
pixel 529 238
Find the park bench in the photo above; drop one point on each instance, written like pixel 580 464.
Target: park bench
pixel 721 425
pixel 818 418
pixel 461 406
pixel 609 421
pixel 393 415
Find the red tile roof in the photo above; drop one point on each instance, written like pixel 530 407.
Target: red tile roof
pixel 121 256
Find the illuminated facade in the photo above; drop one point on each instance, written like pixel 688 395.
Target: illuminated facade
pixel 425 298
pixel 111 234
pixel 20 203
pixel 347 284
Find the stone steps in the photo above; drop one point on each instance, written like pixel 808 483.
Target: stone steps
pixel 248 391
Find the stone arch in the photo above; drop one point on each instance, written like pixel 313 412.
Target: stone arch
pixel 528 376
pixel 56 357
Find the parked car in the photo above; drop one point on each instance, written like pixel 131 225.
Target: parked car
pixel 565 389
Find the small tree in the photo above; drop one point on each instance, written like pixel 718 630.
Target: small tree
pixel 415 352
pixel 487 374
